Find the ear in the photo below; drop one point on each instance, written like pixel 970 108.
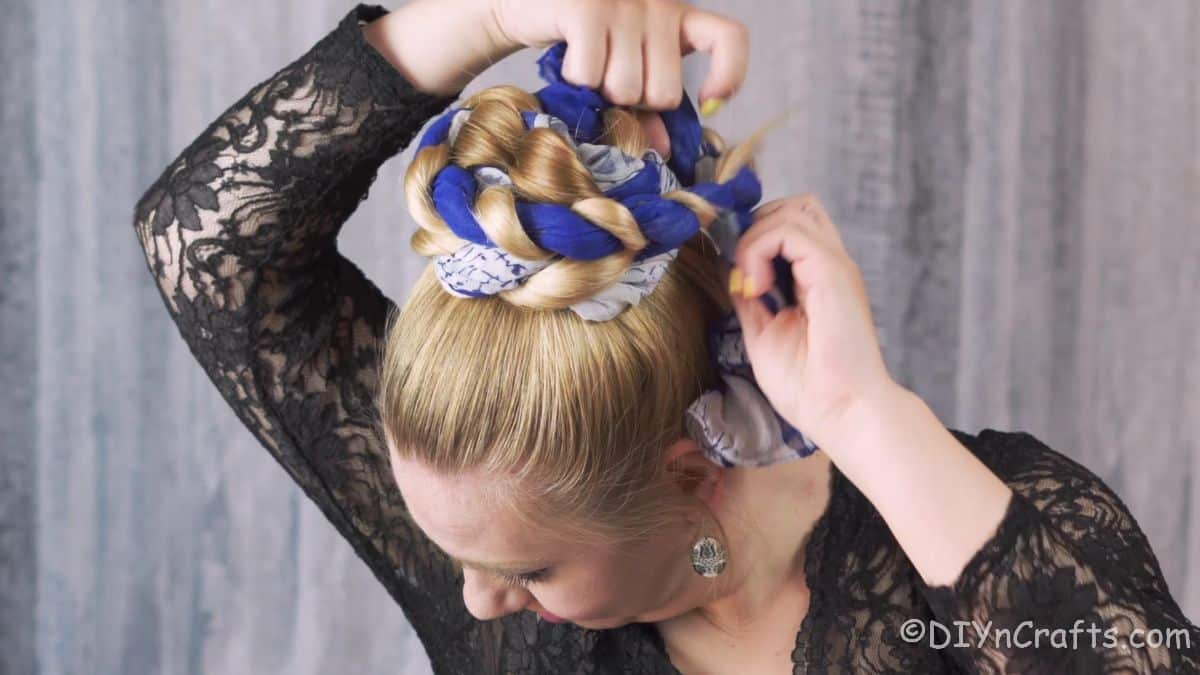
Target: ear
pixel 694 473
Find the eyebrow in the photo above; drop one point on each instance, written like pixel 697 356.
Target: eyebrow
pixel 511 568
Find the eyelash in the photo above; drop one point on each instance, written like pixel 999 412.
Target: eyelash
pixel 523 579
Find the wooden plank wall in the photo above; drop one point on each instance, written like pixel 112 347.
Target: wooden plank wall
pixel 1017 179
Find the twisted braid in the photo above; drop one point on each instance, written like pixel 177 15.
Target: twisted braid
pixel 544 168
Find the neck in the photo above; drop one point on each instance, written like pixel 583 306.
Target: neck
pixel 768 514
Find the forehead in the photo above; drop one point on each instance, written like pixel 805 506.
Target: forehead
pixel 461 516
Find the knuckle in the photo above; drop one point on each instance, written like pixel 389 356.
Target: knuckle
pixel 733 29
pixel 807 206
pixel 796 208
pixel 621 95
pixel 662 99
pixel 591 78
pixel 738 32
pixel 577 74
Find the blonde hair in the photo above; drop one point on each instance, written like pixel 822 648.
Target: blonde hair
pixel 570 417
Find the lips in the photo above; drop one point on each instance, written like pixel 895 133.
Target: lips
pixel 546 616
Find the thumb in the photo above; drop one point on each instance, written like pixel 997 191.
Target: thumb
pixel 752 316
pixel 728 44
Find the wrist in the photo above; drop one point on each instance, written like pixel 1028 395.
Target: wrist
pixel 500 43
pixel 886 404
pixel 439 47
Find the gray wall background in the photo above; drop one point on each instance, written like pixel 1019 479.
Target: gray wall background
pixel 1018 179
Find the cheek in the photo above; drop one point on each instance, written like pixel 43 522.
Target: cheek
pixel 591 598
pixel 617 588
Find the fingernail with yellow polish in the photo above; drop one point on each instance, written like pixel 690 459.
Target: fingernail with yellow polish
pixel 710 106
pixel 749 290
pixel 735 281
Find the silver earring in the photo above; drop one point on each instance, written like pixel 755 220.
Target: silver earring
pixel 708 557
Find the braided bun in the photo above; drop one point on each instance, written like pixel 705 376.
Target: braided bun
pixel 544 168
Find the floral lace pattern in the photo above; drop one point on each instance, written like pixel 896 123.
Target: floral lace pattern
pixel 240 235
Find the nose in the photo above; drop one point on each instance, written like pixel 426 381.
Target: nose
pixel 488 598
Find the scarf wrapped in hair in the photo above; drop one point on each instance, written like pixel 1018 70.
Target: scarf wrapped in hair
pixel 734 424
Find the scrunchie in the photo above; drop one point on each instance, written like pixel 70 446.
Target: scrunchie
pixel 734 424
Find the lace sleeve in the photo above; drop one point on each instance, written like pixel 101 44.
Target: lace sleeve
pixel 1067 554
pixel 239 233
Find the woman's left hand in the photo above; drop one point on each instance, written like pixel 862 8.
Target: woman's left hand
pixel 816 360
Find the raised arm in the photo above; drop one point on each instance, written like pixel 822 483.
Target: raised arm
pixel 1012 540
pixel 240 235
pixel 1069 560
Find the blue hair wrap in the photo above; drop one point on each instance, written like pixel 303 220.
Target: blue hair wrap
pixel 734 424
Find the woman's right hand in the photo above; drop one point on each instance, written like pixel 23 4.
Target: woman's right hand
pixel 629 50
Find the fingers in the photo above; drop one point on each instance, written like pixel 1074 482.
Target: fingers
pixel 623 74
pixel 728 44
pixel 823 225
pixel 764 209
pixel 632 51
pixel 752 316
pixel 663 74
pixel 792 230
pixel 760 326
pixel 585 58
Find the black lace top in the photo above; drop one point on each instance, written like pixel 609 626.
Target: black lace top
pixel 240 233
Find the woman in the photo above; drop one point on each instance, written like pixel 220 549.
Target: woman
pixel 540 463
